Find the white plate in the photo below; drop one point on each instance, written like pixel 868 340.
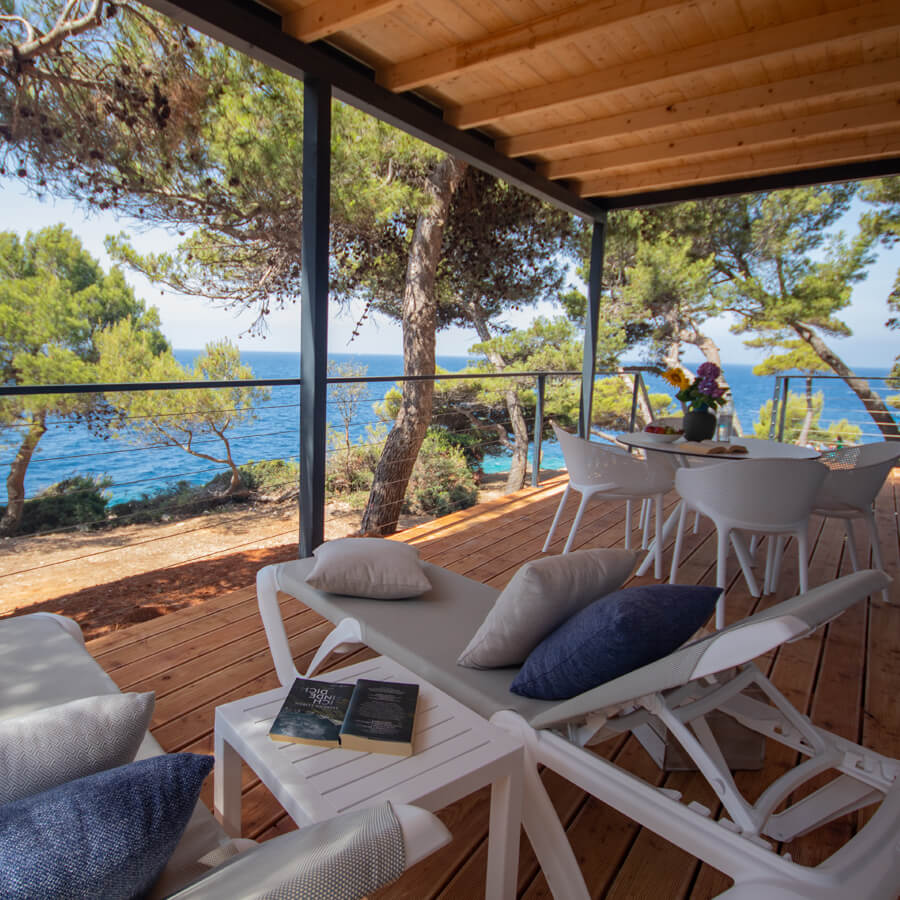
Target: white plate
pixel 662 438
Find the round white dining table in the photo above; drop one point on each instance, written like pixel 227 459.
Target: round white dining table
pixel 756 449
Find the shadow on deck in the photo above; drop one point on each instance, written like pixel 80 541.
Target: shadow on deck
pixel 845 677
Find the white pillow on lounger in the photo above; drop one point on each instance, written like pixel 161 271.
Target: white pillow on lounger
pixel 542 595
pixel 368 567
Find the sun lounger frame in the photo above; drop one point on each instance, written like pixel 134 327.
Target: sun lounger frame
pixel 679 691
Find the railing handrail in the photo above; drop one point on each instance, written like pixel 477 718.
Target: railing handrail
pixel 839 377
pixel 114 387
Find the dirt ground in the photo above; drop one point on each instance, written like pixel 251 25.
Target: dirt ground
pixel 110 579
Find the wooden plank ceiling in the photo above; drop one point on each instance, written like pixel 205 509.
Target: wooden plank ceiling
pixel 624 98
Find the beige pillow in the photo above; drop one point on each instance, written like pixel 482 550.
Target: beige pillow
pixel 368 567
pixel 542 595
pixel 48 747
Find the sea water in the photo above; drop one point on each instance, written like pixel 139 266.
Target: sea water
pixel 69 449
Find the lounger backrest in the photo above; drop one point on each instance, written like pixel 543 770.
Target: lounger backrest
pixel 737 644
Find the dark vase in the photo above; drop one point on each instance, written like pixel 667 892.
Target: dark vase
pixel 699 426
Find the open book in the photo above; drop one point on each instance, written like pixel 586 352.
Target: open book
pixel 712 448
pixel 372 716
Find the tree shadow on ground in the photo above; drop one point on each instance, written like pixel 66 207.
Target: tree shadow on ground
pixel 138 598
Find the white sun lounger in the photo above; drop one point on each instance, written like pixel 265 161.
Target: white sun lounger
pixel 427 634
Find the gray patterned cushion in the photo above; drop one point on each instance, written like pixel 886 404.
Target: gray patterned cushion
pixel 57 744
pixel 343 858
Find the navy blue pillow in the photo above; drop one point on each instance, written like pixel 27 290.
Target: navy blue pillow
pixel 613 636
pixel 106 835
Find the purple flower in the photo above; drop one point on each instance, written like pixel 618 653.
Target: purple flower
pixel 707 386
pixel 708 370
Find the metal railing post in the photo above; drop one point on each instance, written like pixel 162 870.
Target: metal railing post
pixel 774 415
pixel 782 411
pixel 538 431
pixel 637 380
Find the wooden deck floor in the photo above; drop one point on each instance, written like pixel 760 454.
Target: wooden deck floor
pixel 845 677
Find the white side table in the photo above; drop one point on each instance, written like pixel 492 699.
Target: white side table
pixel 456 752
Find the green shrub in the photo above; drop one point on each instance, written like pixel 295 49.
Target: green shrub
pixel 177 499
pixel 265 477
pixel 441 481
pixel 351 470
pixel 79 500
pixel 471 443
pixel 270 475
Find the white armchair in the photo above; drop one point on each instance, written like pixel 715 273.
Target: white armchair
pixel 854 478
pixel 764 496
pixel 598 469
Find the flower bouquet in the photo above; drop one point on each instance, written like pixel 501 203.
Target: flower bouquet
pixel 698 398
pixel 701 394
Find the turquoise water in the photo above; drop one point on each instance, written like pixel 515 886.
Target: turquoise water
pixel 70 449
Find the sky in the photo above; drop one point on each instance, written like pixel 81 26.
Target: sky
pixel 190 322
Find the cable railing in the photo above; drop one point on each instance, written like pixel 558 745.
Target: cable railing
pixel 825 411
pixel 474 438
pixel 112 475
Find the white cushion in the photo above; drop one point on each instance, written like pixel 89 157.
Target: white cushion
pixel 368 567
pixel 542 595
pixel 48 747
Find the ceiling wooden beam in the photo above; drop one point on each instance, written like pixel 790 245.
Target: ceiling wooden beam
pixel 534 35
pixel 835 152
pixel 835 84
pixel 866 18
pixel 325 17
pixel 845 121
pixel 777 181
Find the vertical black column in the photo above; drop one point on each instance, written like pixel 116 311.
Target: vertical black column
pixel 591 318
pixel 314 310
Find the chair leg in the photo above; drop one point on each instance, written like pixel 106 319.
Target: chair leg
pixel 876 549
pixel 803 559
pixel 645 523
pixel 696 522
pixel 557 517
pixel 721 574
pixel 777 556
pixel 679 542
pixel 769 585
pixel 576 523
pixel 740 550
pixel 627 524
pixel 851 544
pixel 658 564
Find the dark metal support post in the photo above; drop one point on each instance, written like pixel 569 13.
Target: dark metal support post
pixel 591 320
pixel 314 310
pixel 538 431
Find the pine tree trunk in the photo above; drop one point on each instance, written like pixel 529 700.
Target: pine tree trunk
pixel 519 463
pixel 873 404
pixel 419 325
pixel 15 482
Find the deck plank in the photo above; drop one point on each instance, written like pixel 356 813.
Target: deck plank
pixel 845 677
